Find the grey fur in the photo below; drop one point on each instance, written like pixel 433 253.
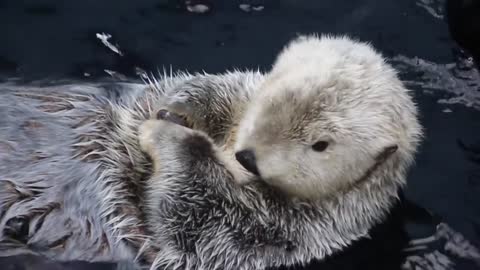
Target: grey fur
pixel 71 164
pixel 252 226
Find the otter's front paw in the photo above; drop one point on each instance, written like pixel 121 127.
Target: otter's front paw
pixel 184 112
pixel 172 117
pixel 154 134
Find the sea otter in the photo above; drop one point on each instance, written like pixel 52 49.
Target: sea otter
pixel 273 169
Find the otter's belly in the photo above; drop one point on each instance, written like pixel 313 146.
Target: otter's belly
pixel 50 199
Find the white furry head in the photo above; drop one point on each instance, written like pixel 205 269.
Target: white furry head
pixel 327 110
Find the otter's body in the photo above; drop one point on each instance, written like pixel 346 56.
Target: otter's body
pixel 74 168
pixel 71 171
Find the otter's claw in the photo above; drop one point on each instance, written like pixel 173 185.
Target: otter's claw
pixel 172 117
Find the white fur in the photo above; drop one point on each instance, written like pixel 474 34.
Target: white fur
pixel 334 89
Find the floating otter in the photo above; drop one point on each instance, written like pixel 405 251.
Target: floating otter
pixel 314 124
pixel 323 144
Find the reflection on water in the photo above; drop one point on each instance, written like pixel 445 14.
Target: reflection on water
pixel 434 7
pixel 460 80
pixel 452 245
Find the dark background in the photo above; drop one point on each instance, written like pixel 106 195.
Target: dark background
pixel 55 39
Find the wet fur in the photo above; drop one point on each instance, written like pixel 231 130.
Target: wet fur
pixel 71 170
pixel 72 167
pixel 253 225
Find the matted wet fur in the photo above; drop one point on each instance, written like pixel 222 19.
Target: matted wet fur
pixel 75 185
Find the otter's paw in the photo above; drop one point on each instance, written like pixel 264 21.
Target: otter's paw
pixel 178 119
pixel 184 109
pixel 160 133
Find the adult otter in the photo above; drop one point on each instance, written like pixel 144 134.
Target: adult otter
pixel 88 195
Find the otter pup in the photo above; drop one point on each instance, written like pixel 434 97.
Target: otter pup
pixel 331 128
pixel 325 140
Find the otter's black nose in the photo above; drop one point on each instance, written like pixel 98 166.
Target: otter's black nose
pixel 248 161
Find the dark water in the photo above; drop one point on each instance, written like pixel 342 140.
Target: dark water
pixel 57 39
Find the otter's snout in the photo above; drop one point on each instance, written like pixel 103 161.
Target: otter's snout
pixel 248 160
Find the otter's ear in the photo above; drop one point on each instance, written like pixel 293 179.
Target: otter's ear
pixel 386 153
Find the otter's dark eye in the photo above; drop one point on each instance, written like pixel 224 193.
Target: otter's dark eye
pixel 320 146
